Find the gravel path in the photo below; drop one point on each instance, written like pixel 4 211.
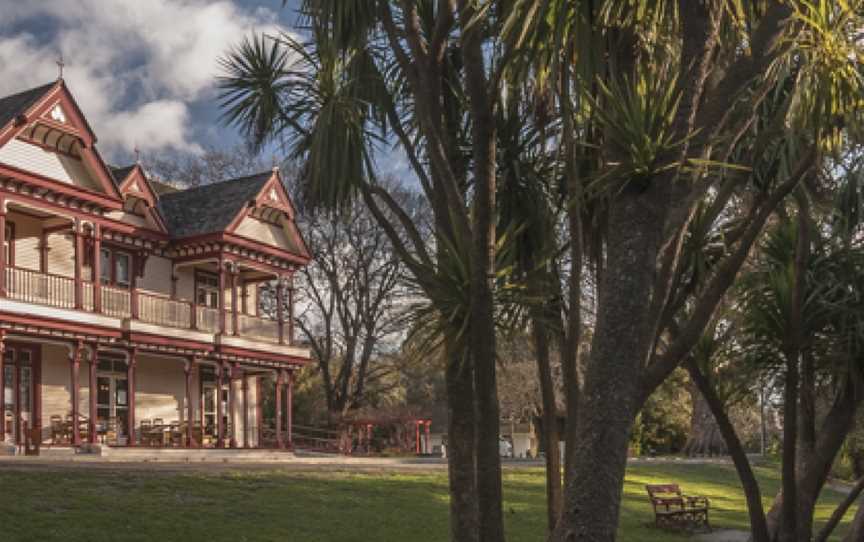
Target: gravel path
pixel 724 536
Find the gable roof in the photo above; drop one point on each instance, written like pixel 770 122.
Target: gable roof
pixel 209 208
pixel 120 173
pixel 17 104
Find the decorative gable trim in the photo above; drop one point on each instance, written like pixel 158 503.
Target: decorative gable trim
pixel 273 196
pixel 74 125
pixel 137 185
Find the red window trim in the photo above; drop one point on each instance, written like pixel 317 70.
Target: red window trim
pixel 215 276
pixel 112 281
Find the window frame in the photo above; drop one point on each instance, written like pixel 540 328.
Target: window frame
pixel 10 240
pixel 111 278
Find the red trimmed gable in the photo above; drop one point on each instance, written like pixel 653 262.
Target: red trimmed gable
pixel 275 199
pixel 136 187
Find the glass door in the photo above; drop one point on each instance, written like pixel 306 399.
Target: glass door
pixel 18 393
pixel 112 401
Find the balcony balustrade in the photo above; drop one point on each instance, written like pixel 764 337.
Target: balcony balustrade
pixel 59 291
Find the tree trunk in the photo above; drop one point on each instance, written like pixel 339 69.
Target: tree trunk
pixel 856 530
pixel 550 424
pixel 841 510
pixel 464 519
pixel 789 505
pixel 705 438
pixel 758 524
pixel 621 343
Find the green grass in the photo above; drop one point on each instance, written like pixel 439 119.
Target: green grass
pixel 84 504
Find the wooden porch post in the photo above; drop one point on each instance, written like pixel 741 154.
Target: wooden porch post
pixel 220 424
pixel 235 319
pixel 91 425
pixel 290 410
pixel 2 386
pixel 280 316
pixel 3 264
pixel 232 400
pixel 222 320
pixel 130 384
pixel 291 311
pixel 97 268
pixel 189 368
pixel 417 437
pixel 79 254
pixel 245 387
pixel 75 391
pixel 279 383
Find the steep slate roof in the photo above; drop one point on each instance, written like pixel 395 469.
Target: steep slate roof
pixel 120 173
pixel 16 104
pixel 209 208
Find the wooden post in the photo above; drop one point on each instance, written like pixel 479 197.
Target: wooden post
pixel 291 312
pixel 79 253
pixel 280 381
pixel 290 410
pixel 189 369
pixel 232 400
pixel 91 425
pixel 222 320
pixel 2 386
pixel 280 316
pixel 3 264
pixel 417 437
pixel 97 268
pixel 235 319
pixel 244 383
pixel 130 385
pixel 220 424
pixel 75 391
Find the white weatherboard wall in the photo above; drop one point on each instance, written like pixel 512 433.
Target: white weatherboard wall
pixel 55 166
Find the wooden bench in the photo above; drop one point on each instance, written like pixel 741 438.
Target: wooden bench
pixel 674 509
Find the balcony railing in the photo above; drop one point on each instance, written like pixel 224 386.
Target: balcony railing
pixel 163 311
pixel 59 291
pixel 116 302
pixel 40 288
pixel 258 328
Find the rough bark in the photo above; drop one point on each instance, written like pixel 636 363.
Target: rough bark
pixel 550 424
pixel 705 438
pixel 620 348
pixel 461 467
pixel 752 493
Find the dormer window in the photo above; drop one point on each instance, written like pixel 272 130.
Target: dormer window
pixel 58 115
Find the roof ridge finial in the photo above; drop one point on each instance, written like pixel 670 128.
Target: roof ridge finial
pixel 60 65
pixel 137 152
pixel 275 163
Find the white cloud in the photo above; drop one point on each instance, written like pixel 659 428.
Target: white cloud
pixel 132 65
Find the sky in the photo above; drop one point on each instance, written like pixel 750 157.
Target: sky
pixel 143 71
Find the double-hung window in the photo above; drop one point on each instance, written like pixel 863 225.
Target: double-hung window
pixel 116 268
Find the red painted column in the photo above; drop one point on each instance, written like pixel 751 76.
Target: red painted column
pixel 232 400
pixel 235 319
pixel 245 387
pixel 291 312
pixel 220 425
pixel 280 316
pixel 91 425
pixel 130 384
pixel 2 386
pixel 290 410
pixel 279 383
pixel 79 256
pixel 417 437
pixel 222 321
pixel 189 368
pixel 3 262
pixel 97 268
pixel 75 392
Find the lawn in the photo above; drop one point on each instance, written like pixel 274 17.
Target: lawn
pixel 85 504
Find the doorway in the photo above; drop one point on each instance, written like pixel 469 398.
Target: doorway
pixel 20 382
